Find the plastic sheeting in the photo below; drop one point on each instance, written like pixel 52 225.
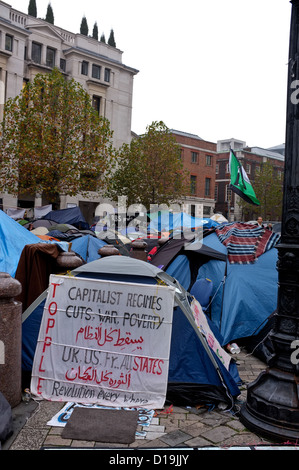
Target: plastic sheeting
pixel 13 238
pixel 72 215
pixel 87 247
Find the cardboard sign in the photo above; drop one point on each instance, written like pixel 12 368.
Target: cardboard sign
pixel 104 342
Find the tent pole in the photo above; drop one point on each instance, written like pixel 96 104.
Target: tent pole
pixel 222 300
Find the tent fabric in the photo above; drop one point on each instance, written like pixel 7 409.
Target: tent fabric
pixel 182 258
pixel 71 216
pixel 87 247
pixel 246 242
pixel 168 221
pixel 244 294
pixel 13 238
pixel 6 419
pixel 36 264
pixel 190 365
pixel 192 371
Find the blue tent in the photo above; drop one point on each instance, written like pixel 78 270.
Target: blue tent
pixel 72 216
pixel 196 374
pixel 168 221
pixel 87 247
pixel 244 295
pixel 13 238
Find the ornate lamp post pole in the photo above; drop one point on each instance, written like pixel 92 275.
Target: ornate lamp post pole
pixel 272 406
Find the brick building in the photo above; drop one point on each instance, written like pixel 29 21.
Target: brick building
pixel 199 159
pixel 251 159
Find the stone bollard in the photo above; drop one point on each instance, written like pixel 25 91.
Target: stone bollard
pixel 68 260
pixel 108 250
pixel 138 250
pixel 10 340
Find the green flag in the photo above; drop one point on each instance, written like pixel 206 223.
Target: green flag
pixel 239 181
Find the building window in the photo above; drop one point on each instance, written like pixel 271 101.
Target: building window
pixel 63 65
pixel 96 103
pixel 216 192
pixel 228 193
pixel 84 68
pixel 107 75
pixel 217 169
pixel 36 53
pixel 8 42
pixel 50 59
pixel 96 71
pixel 248 168
pixel 206 211
pixel 208 160
pixel 207 186
pixel 193 184
pixel 194 157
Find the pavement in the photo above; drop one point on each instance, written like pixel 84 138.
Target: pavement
pixel 171 428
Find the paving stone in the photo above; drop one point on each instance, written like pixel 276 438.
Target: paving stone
pixel 154 435
pixel 57 441
pixel 176 437
pixel 236 424
pixel 198 442
pixel 29 439
pixel 86 444
pixel 156 443
pixel 195 429
pixel 154 428
pixel 218 434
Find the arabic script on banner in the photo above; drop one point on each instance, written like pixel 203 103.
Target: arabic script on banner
pixel 104 342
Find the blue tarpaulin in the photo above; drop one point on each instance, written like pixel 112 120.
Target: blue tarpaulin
pixel 87 247
pixel 168 221
pixel 13 238
pixel 72 216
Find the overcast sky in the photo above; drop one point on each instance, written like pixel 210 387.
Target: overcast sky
pixel 215 68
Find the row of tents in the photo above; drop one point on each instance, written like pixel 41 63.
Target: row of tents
pixel 242 296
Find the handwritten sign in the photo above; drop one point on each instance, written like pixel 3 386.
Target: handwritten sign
pixel 203 325
pixel 104 342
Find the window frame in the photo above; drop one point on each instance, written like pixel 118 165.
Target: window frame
pixel 50 61
pixel 9 42
pixel 194 157
pixel 84 67
pixel 37 53
pixel 193 184
pixel 97 68
pixel 107 75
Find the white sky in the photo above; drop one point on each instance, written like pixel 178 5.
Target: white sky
pixel 215 68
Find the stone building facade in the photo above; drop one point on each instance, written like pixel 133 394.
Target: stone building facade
pixel 30 45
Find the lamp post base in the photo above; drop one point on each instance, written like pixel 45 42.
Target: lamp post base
pixel 272 407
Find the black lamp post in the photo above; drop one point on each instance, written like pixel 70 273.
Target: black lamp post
pixel 272 406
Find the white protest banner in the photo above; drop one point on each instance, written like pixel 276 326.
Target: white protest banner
pixel 104 342
pixel 203 325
